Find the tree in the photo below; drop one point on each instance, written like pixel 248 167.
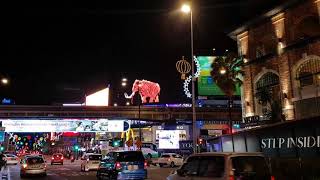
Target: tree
pixel 226 72
pixel 274 108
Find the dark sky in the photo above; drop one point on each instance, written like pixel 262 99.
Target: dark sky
pixel 55 52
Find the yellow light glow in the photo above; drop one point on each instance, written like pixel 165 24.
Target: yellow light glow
pixel 186 8
pixel 222 70
pixel 100 98
pixel 127 103
pixel 4 81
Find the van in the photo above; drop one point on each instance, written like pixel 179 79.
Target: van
pixel 223 166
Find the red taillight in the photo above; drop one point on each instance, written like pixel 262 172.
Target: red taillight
pixel 118 165
pixel 61 158
pixel 272 178
pixel 231 178
pixel 52 158
pixel 145 164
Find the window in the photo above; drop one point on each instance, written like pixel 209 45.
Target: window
pixel 204 166
pixel 35 160
pixel 165 156
pixel 267 80
pixel 308 73
pixel 129 156
pixel 95 157
pixel 253 167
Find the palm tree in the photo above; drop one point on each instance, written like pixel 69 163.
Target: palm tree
pixel 226 72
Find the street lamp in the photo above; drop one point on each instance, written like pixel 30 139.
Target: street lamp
pixel 187 9
pixel 4 81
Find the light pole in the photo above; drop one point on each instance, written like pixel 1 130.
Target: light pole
pixel 187 9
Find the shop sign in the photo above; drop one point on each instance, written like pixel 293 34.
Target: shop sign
pixel 185 144
pixel 291 142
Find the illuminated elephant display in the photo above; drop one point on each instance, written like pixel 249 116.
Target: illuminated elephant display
pixel 149 91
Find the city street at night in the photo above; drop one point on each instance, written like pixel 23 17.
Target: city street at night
pixel 160 90
pixel 71 171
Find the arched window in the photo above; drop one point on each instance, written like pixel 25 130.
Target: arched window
pixel 308 73
pixel 267 80
pixel 266 90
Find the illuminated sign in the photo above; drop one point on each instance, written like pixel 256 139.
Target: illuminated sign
pixel 206 85
pixel 65 125
pixel 169 139
pixel 100 98
pixel 149 91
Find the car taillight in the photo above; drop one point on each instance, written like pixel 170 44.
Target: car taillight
pixel 272 178
pixel 231 178
pixel 118 165
pixel 24 166
pixel 52 158
pixel 145 164
pixel 61 158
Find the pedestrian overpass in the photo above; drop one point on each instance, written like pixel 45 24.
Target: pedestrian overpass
pixel 148 114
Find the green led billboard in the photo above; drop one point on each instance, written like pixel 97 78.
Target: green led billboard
pixel 206 85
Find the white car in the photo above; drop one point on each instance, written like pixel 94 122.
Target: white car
pixel 223 166
pixel 90 161
pixel 169 159
pixel 11 159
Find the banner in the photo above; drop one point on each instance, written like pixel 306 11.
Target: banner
pixel 63 125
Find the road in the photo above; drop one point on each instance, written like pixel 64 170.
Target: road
pixel 71 171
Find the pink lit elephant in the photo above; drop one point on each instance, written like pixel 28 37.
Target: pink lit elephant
pixel 149 91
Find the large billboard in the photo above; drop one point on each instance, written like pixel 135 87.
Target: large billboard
pixel 100 98
pixel 206 85
pixel 65 125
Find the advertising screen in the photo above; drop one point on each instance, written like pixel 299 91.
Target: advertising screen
pixel 206 85
pixel 63 125
pixel 169 139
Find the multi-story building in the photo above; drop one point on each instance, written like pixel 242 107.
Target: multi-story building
pixel 282 53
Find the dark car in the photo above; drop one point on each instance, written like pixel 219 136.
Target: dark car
pixel 57 158
pixel 123 165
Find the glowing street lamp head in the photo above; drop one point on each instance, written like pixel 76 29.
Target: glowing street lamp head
pixel 4 81
pixel 186 8
pixel 222 70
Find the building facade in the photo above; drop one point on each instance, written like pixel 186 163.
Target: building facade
pixel 281 50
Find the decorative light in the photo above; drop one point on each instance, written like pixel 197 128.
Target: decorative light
pixel 124 79
pixel 189 79
pixel 127 103
pixel 123 84
pixel 115 104
pixel 183 67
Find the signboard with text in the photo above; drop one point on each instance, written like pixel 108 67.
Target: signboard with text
pixel 63 125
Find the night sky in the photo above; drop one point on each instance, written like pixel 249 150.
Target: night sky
pixel 61 51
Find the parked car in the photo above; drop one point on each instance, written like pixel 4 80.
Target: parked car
pixel 57 158
pixel 223 166
pixel 90 161
pixel 33 165
pixel 11 159
pixel 123 165
pixel 168 159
